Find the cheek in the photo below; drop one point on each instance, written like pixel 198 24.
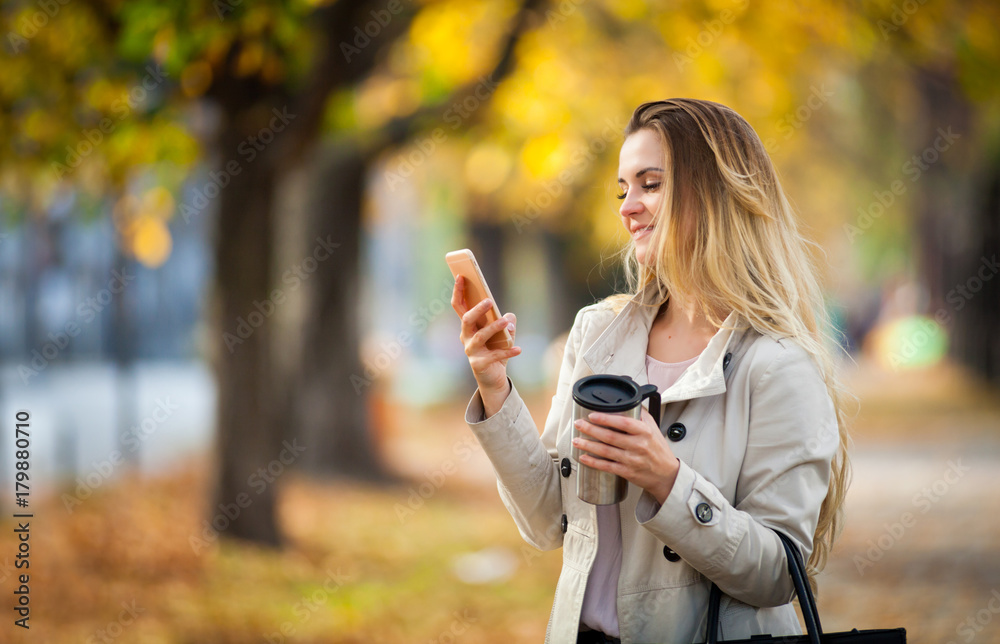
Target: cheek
pixel 652 202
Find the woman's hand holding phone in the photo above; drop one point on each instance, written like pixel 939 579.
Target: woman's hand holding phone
pixel 489 366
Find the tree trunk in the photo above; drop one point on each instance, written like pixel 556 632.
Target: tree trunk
pixel 957 226
pixel 321 406
pixel 979 346
pixel 249 450
pixel 331 400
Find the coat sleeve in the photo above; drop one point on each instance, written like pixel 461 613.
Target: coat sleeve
pixel 526 464
pixel 792 439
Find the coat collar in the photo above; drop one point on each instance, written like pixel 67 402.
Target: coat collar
pixel 621 350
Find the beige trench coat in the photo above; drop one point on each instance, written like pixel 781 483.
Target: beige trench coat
pixel 760 436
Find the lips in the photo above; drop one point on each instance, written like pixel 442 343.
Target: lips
pixel 642 232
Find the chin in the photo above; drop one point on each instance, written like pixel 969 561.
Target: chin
pixel 640 254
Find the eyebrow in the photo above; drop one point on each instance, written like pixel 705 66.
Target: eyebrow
pixel 638 175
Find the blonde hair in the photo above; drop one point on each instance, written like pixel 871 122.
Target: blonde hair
pixel 731 242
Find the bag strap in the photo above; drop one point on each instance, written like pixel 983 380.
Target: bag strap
pixel 802 579
pixel 797 570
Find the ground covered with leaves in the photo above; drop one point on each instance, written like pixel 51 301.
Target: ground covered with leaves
pixel 436 558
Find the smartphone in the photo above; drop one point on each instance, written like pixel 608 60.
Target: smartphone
pixel 463 262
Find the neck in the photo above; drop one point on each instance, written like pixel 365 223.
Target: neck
pixel 677 314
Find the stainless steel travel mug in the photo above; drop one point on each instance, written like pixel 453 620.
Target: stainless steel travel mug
pixel 607 394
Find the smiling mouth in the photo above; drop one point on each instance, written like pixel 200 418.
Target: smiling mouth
pixel 642 232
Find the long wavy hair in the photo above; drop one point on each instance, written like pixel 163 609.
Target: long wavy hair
pixel 731 242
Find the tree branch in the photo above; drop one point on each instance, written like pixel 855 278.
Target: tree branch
pixel 401 129
pixel 341 63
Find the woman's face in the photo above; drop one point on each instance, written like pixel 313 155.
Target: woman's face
pixel 639 179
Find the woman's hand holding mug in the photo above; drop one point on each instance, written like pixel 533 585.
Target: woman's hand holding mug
pixel 489 366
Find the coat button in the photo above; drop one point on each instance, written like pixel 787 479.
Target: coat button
pixel 565 468
pixel 676 432
pixel 725 361
pixel 565 524
pixel 670 554
pixel 703 511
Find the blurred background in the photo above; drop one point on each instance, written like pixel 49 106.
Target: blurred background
pixel 225 311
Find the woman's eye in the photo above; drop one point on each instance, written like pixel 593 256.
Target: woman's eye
pixel 648 186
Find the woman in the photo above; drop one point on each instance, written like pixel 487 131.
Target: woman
pixel 726 317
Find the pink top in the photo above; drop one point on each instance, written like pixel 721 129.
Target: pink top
pixel 600 600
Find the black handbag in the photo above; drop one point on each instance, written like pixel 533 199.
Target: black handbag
pixel 815 635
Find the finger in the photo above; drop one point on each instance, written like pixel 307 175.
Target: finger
pixel 491 329
pixel 513 320
pixel 603 464
pixel 496 355
pixel 503 354
pixel 596 448
pixel 617 421
pixel 458 297
pixel 618 440
pixel 590 429
pixel 470 318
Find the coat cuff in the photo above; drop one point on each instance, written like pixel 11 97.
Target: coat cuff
pixel 510 439
pixel 475 411
pixel 694 518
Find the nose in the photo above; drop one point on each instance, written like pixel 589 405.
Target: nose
pixel 631 204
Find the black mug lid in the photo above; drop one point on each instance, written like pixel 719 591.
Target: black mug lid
pixel 606 392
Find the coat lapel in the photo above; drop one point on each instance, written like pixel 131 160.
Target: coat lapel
pixel 621 350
